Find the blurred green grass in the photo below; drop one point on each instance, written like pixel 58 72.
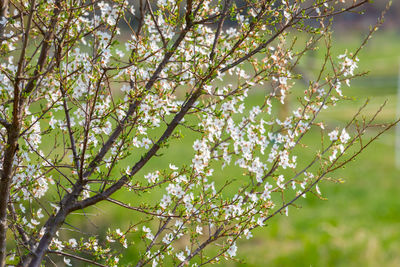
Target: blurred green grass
pixel 359 224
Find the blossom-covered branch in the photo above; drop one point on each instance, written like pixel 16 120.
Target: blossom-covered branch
pixel 95 95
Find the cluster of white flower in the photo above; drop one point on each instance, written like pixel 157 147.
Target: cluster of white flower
pixel 109 13
pixel 348 66
pixel 152 177
pixel 149 235
pixel 343 138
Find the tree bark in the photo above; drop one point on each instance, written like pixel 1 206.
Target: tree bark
pixel 6 178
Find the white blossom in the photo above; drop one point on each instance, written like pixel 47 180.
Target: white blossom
pixel 232 250
pixel 181 256
pixel 67 261
pixel 344 136
pixel 333 136
pixel 149 235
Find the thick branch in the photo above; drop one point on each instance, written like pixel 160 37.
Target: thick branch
pixel 68 204
pixel 3 16
pixel 34 259
pixel 6 174
pixel 133 106
pixel 122 181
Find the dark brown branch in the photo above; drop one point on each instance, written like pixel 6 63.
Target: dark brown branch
pixel 3 16
pixel 153 150
pixel 126 206
pixel 68 204
pixel 156 24
pixel 257 50
pixel 76 257
pixel 219 28
pixel 210 240
pixel 133 106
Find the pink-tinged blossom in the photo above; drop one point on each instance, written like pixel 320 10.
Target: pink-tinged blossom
pixel 344 136
pixel 149 235
pixel 232 250
pixel 349 64
pixel 199 230
pixel 181 256
pixel 333 136
pixel 152 177
pixel 175 190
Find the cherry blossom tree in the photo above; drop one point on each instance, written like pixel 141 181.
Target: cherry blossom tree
pixel 92 91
